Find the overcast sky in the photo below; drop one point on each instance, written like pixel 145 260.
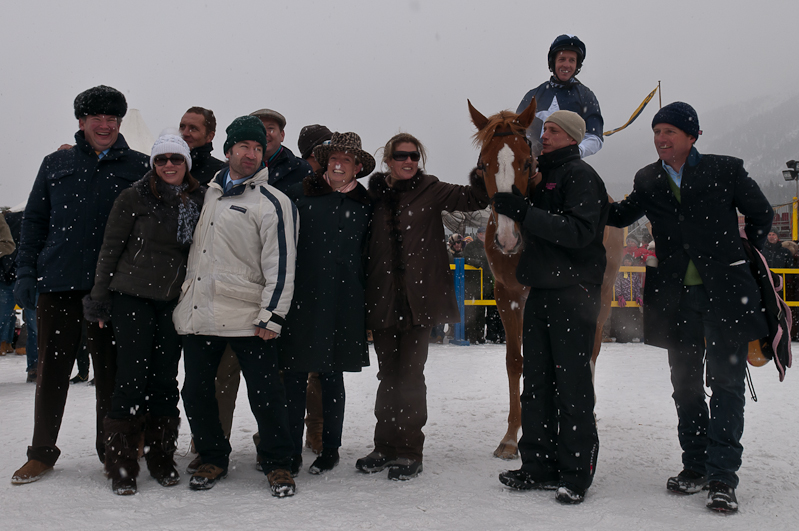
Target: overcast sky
pixel 378 67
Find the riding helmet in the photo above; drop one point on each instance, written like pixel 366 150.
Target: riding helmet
pixel 567 42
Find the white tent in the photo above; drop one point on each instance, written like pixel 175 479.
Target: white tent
pixel 136 132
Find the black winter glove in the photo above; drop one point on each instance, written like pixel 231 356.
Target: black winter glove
pixel 512 205
pixel 25 293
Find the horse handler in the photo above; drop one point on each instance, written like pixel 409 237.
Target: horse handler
pixel 563 262
pixel 700 301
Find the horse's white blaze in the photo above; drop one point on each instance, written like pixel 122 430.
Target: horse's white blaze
pixel 505 177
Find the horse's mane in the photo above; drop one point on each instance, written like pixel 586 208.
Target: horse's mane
pixel 499 120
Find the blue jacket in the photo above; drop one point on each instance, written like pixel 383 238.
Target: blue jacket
pixel 554 95
pixel 66 213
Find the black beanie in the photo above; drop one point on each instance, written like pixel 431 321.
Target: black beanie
pixel 245 128
pixel 680 115
pixel 310 137
pixel 100 100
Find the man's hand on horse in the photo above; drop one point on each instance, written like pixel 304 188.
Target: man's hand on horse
pixel 512 205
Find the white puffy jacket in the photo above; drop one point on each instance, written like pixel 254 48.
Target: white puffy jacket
pixel 241 265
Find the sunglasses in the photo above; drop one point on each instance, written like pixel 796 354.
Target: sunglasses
pixel 399 156
pixel 176 160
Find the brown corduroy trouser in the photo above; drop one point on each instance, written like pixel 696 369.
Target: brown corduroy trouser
pixel 60 322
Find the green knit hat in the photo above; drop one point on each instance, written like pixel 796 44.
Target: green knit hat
pixel 245 128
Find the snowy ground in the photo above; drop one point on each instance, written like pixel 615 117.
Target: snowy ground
pixel 467 392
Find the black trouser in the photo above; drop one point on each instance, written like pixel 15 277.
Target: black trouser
pixel 710 439
pixel 333 398
pixel 259 364
pixel 60 321
pixel 559 438
pixel 148 352
pixel 401 401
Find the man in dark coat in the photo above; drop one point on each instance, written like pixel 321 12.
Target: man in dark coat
pixel 775 254
pixel 285 169
pixel 700 299
pixel 563 262
pixel 198 127
pixel 62 232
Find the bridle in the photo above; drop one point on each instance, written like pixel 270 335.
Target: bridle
pixel 528 165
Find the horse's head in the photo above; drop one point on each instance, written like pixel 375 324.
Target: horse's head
pixel 505 160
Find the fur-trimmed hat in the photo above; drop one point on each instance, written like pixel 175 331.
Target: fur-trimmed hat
pixel 310 137
pixel 245 128
pixel 346 143
pixel 680 115
pixel 571 122
pixel 170 143
pixel 269 114
pixel 100 100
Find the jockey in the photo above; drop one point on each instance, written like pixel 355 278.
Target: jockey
pixel 563 91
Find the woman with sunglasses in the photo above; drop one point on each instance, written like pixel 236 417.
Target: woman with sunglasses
pixel 325 330
pixel 140 269
pixel 409 289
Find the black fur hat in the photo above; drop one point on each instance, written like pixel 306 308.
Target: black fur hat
pixel 100 100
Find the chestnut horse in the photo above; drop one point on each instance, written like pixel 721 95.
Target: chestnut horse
pixel 506 160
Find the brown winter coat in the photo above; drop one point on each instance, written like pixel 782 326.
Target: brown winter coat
pixel 141 255
pixel 408 280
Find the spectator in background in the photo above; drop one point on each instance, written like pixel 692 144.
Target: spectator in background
pixel 7 316
pixel 632 247
pixel 626 321
pixel 776 255
pixel 26 343
pixel 475 256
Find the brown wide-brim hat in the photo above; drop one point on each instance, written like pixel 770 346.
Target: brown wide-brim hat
pixel 346 143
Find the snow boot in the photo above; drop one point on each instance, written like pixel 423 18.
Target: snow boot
pixel 522 480
pixel 327 461
pixel 161 441
pixel 122 452
pixel 374 462
pixel 404 469
pixel 206 477
pixel 722 498
pixel 569 496
pixel 687 482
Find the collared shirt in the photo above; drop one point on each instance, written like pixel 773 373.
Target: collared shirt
pixel 230 183
pixel 676 176
pixel 103 153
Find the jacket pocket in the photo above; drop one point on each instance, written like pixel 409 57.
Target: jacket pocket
pixel 249 292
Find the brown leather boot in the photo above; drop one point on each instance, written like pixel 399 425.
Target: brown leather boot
pixel 31 471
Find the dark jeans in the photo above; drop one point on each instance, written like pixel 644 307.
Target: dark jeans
pixel 559 438
pixel 401 402
pixel 60 323
pixel 710 440
pixel 259 364
pixel 148 352
pixel 333 398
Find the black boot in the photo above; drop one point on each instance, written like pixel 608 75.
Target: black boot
pixel 122 453
pixel 160 442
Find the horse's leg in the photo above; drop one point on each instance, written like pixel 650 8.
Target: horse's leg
pixel 511 312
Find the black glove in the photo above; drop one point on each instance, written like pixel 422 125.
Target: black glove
pixel 512 205
pixel 25 293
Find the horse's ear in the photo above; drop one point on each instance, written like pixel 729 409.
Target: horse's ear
pixel 528 115
pixel 478 119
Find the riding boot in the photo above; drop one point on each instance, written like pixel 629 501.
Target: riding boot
pixel 313 419
pixel 161 441
pixel 122 452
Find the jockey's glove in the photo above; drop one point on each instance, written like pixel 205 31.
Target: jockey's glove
pixel 514 205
